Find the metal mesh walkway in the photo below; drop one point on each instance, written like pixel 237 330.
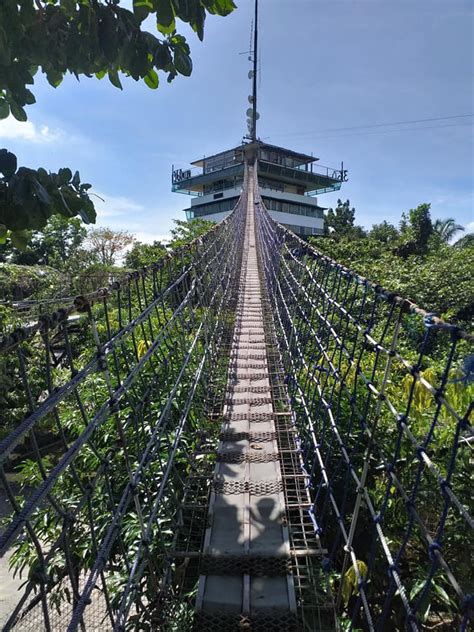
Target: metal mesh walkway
pixel 246 544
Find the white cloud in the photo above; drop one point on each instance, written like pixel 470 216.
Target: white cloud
pixel 149 238
pixel 114 206
pixel 123 213
pixel 470 227
pixel 10 129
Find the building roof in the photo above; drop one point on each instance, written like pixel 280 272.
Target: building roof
pixel 304 158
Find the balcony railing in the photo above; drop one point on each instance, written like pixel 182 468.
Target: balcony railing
pixel 339 175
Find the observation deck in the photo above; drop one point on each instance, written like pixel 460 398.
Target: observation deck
pixel 289 182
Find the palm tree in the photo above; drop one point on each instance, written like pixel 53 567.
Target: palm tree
pixel 467 240
pixel 447 228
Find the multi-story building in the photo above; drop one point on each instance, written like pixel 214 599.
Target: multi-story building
pixel 289 183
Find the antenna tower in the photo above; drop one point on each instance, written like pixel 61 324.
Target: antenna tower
pixel 252 114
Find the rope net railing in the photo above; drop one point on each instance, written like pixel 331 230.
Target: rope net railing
pixel 381 394
pixel 106 402
pixel 102 401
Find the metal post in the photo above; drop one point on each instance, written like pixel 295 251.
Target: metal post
pixel 255 55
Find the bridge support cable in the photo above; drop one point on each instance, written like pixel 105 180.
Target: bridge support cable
pixel 389 500
pixel 243 435
pixel 100 438
pixel 257 562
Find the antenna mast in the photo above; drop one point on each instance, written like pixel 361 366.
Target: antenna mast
pixel 255 68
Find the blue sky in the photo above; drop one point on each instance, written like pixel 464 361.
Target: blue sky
pixel 325 64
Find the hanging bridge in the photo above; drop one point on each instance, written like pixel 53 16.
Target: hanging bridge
pixel 245 435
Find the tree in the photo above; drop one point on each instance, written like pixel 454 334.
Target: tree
pixel 28 198
pixel 56 246
pixel 92 38
pixel 447 228
pixel 384 232
pixel 61 240
pixel 339 223
pixel 340 220
pixel 464 242
pixel 439 280
pixel 19 282
pixel 416 228
pixel 108 244
pixel 143 254
pixel 185 231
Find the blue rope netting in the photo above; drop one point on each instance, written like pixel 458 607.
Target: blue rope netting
pixel 102 402
pixel 383 404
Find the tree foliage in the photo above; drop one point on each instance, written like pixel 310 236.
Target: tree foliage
pixel 100 38
pixel 416 228
pixel 142 255
pixel 185 231
pixel 108 244
pixel 20 282
pixel 384 232
pixel 57 245
pixel 93 38
pixel 339 222
pixel 467 240
pixel 29 197
pixel 447 228
pixel 414 261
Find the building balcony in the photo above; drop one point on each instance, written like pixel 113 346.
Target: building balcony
pixel 313 178
pixel 192 181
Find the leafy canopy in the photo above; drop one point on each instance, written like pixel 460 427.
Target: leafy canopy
pixel 57 245
pixel 108 244
pixel 339 222
pixel 92 38
pixel 142 255
pixel 184 231
pixel 29 197
pixel 413 261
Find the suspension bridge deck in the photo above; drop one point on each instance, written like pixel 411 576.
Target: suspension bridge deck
pixel 259 544
pixel 248 532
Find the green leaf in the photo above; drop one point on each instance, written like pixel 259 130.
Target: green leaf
pixel 41 193
pixel 114 79
pixel 442 594
pixel 87 214
pixel 219 7
pixel 142 9
pixel 152 79
pixel 54 77
pixel 5 52
pixel 69 6
pixel 4 109
pixel 350 581
pixel 20 239
pixel 29 97
pixel 184 10
pixel 76 180
pixel 65 175
pixel 165 16
pixel 3 234
pixel 166 30
pixel 416 588
pixel 162 56
pixel 198 22
pixel 108 35
pixel 182 62
pixel 8 163
pixel 18 112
